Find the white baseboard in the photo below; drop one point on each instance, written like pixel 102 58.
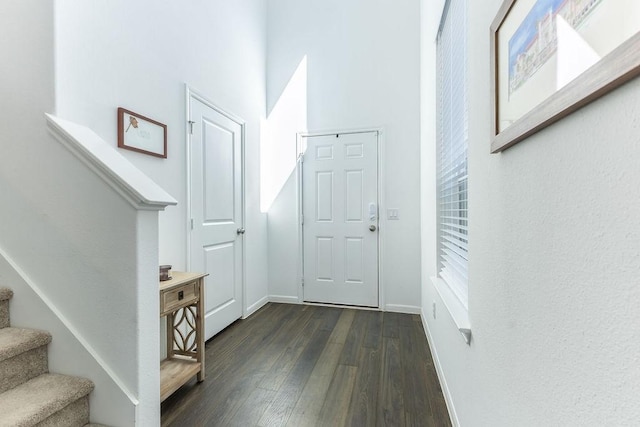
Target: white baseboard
pixel 443 382
pixel 284 299
pixel 255 307
pixel 397 308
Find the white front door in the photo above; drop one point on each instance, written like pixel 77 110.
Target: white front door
pixel 340 218
pixel 216 210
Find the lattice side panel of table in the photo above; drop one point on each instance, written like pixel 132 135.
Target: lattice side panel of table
pixel 185 332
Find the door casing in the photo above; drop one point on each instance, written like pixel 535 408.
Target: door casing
pixel 382 217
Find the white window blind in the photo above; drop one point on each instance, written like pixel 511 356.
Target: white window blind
pixel 452 149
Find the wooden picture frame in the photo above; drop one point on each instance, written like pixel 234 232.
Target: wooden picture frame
pixel 141 134
pixel 514 62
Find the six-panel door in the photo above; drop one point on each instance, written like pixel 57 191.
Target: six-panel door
pixel 340 211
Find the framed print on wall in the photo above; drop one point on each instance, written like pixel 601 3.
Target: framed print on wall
pixel 141 134
pixel 551 57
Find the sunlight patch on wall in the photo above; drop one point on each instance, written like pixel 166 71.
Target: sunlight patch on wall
pixel 278 136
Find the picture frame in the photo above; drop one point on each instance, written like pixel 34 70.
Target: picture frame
pixel 141 134
pixel 591 55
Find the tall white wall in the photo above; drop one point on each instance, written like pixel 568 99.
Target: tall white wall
pixel 554 260
pixel 362 70
pixel 139 55
pixel 67 240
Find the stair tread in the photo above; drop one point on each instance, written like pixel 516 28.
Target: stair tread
pixel 14 341
pixel 5 294
pixel 39 398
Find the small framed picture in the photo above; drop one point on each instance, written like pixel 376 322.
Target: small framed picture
pixel 141 134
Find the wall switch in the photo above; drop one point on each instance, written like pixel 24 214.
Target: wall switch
pixel 393 214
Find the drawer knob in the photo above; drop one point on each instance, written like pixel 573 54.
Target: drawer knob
pixel 180 295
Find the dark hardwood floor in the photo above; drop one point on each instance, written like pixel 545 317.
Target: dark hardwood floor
pixel 300 365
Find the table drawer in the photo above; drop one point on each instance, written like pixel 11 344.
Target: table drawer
pixel 179 297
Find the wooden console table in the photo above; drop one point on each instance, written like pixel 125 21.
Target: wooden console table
pixel 182 302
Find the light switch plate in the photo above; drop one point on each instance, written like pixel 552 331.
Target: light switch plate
pixel 393 214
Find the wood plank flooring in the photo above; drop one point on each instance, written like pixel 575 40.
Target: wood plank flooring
pixel 300 365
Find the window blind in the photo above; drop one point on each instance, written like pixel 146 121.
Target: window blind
pixel 452 145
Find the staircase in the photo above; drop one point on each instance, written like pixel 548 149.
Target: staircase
pixel 29 394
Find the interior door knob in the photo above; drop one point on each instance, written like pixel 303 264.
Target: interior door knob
pixel 372 228
pixel 240 230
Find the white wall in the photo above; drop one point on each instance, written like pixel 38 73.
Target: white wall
pixel 554 261
pixel 138 55
pixel 67 232
pixel 362 71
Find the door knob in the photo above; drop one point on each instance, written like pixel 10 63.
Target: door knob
pixel 240 230
pixel 372 228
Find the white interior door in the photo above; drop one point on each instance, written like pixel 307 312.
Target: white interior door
pixel 216 210
pixel 340 218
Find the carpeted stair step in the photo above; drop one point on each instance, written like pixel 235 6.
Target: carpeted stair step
pixel 47 400
pixel 23 356
pixel 29 395
pixel 5 296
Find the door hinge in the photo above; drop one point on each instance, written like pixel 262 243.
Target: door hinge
pixel 191 122
pixel 302 219
pixel 191 223
pixel 301 158
pixel 302 282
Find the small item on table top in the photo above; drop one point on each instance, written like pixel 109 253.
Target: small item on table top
pixel 165 272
